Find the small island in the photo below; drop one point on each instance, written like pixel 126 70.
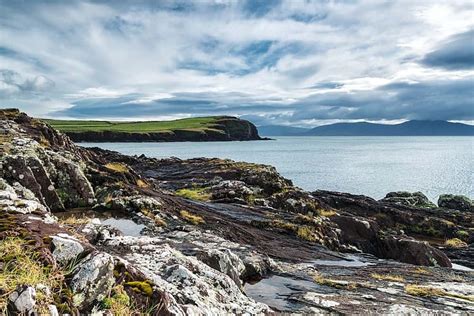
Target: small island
pixel 212 128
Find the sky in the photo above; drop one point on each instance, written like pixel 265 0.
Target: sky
pixel 300 63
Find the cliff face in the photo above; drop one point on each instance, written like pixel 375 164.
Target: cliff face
pixel 224 129
pixel 180 237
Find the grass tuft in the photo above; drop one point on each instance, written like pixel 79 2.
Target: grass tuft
pixel 421 270
pixel 428 291
pixel 19 265
pixel 117 167
pixel 306 233
pixel 326 213
pixel 142 184
pixel 335 283
pixel 455 243
pixel 197 194
pixel 74 220
pixel 193 219
pixel 387 277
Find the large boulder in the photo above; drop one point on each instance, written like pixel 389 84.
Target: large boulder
pixel 456 202
pixel 409 250
pixel 416 199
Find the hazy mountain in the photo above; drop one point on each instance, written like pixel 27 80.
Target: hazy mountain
pixel 410 128
pixel 280 130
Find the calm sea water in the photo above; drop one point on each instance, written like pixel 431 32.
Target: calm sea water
pixel 371 166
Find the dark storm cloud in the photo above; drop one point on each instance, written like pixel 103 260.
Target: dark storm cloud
pixel 430 100
pixel 456 53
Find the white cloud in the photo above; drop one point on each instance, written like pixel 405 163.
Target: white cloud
pixel 111 50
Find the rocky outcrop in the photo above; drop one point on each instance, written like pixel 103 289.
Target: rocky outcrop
pixel 416 199
pixel 456 202
pixel 224 129
pixel 215 237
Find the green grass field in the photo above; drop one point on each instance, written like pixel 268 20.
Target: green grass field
pixel 197 123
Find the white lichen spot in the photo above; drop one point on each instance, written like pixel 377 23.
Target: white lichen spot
pixel 21 176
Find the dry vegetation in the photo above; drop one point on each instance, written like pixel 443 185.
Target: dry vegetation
pixel 197 194
pixel 191 218
pixel 20 265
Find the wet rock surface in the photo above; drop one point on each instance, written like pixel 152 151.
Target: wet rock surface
pixel 212 237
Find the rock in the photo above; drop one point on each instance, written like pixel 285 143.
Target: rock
pixel 92 279
pixel 412 251
pixel 53 310
pixel 65 249
pixel 225 262
pixel 295 201
pixel 232 190
pixel 416 199
pixel 188 280
pixel 136 203
pixel 23 300
pixel 456 202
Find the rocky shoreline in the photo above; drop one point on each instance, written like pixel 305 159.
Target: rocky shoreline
pixel 93 231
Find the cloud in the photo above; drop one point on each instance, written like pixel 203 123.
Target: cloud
pixel 12 83
pixel 286 61
pixel 455 53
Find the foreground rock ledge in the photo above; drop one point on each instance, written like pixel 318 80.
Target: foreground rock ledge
pixel 217 237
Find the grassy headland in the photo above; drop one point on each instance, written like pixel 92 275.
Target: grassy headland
pixel 212 128
pixel 196 123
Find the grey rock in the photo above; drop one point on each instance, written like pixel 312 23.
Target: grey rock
pixel 225 262
pixel 53 310
pixel 23 300
pixel 92 280
pixel 66 249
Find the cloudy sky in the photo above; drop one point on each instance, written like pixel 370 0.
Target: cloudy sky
pixel 274 62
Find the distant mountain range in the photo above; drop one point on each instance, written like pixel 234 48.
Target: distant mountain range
pixel 409 128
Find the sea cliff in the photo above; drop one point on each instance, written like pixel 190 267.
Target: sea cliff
pixel 219 128
pixel 214 237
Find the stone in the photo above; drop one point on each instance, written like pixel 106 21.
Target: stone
pixel 53 310
pixel 456 202
pixel 416 199
pixel 65 249
pixel 225 262
pixel 412 251
pixel 92 280
pixel 188 280
pixel 23 300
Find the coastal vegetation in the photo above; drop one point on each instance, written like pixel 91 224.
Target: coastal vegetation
pixel 195 123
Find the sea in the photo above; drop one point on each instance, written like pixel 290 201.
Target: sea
pixel 371 166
